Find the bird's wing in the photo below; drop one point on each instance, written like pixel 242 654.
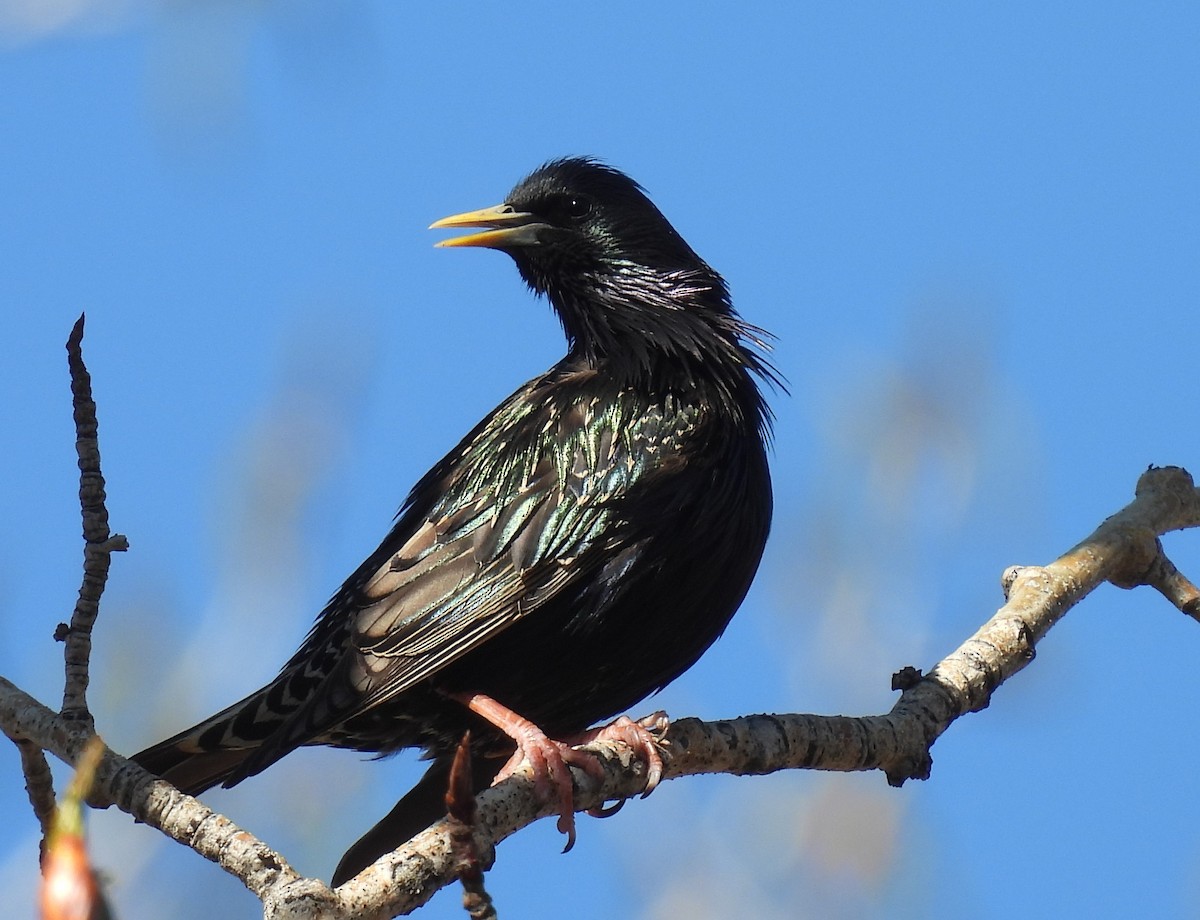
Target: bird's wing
pixel 470 574
pixel 493 557
pixel 497 543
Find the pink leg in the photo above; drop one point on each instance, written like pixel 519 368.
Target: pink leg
pixel 549 759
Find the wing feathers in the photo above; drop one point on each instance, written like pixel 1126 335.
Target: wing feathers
pixel 495 543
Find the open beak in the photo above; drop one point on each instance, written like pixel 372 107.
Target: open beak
pixel 506 228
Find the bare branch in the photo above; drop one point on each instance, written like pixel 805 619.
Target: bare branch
pixel 39 783
pixel 1124 547
pixel 1124 550
pixel 149 799
pixel 461 814
pixel 99 544
pixel 1173 585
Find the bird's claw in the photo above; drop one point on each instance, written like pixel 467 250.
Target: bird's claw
pixel 606 811
pixel 550 760
pixel 643 737
pixel 550 763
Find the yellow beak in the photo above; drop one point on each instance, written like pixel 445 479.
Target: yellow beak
pixel 506 227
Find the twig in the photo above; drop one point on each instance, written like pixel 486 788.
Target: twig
pixel 99 544
pixel 460 805
pixel 1173 585
pixel 148 799
pixel 1121 550
pixel 39 784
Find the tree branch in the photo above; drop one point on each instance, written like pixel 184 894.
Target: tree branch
pixel 1124 550
pixel 98 548
pixel 150 800
pixel 1173 585
pixel 39 783
pixel 99 545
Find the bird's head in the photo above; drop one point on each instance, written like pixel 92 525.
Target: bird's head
pixel 631 293
pixel 572 223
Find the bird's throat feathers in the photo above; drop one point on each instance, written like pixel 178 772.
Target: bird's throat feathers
pixel 656 329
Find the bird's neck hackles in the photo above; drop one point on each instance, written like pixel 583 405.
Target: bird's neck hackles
pixel 651 328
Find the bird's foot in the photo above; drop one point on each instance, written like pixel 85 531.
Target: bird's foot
pixel 548 759
pixel 643 737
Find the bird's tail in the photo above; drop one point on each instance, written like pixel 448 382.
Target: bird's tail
pixel 214 750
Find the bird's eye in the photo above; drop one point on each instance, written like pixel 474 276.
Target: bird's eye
pixel 578 207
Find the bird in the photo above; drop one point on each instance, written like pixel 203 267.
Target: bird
pixel 579 549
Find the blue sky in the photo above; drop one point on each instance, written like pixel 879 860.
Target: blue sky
pixel 973 228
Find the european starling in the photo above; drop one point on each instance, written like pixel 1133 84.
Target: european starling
pixel 579 549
